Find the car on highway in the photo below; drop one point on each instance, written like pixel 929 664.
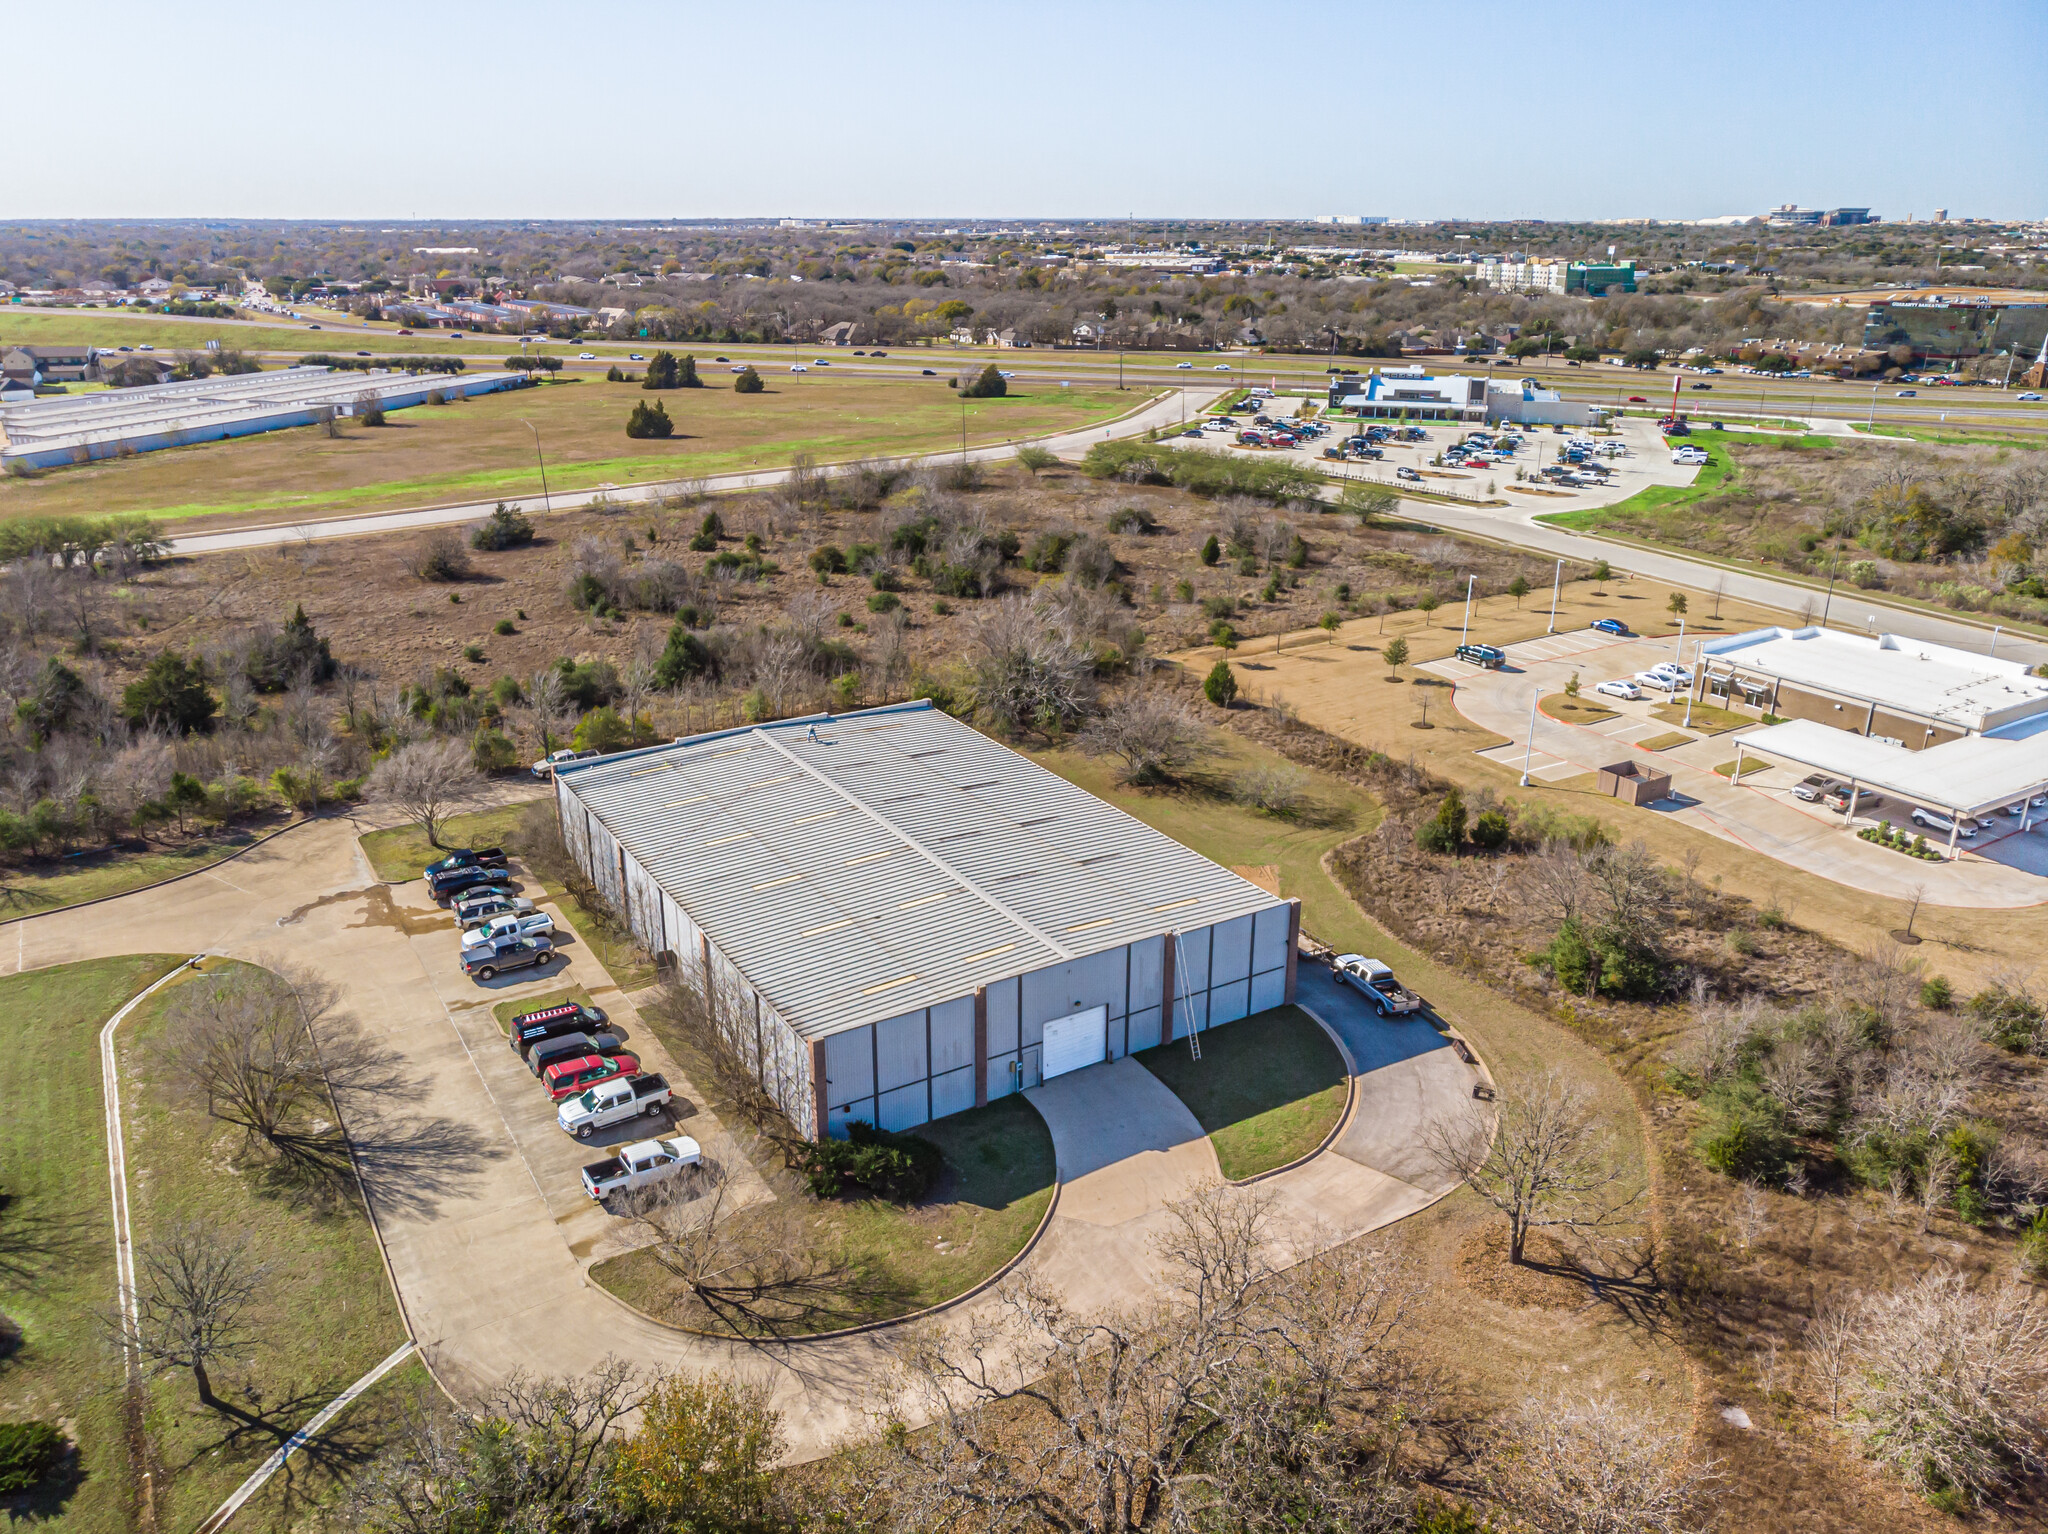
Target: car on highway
pixel 1221 367
pixel 402 332
pixel 1637 399
pixel 1183 365
pixel 798 367
pixel 2029 398
pixel 1608 626
pixel 566 1078
pixel 635 357
pixel 473 910
pixel 1938 820
pixel 1404 472
pixel 721 359
pixel 512 924
pixel 639 1164
pixel 309 327
pixel 1620 687
pixel 586 356
pixel 926 373
pixel 1815 786
pixel 737 367
pixel 1906 393
pixel 1702 386
pixel 362 354
pixel 490 960
pixel 821 362
pixel 878 354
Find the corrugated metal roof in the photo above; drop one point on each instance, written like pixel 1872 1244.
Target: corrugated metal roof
pixel 858 867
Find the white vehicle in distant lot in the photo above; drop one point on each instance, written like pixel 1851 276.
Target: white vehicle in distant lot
pixel 639 1164
pixel 1620 688
pixel 511 924
pixel 1221 367
pixel 2020 808
pixel 1938 820
pixel 586 356
pixel 798 367
pixel 545 767
pixel 1658 681
pixel 1689 455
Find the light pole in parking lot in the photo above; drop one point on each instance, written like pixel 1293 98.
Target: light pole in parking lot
pixel 1466 633
pixel 1556 583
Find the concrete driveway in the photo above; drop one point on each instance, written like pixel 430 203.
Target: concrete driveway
pixel 473 1190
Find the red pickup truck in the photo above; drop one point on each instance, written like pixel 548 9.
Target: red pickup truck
pixel 565 1078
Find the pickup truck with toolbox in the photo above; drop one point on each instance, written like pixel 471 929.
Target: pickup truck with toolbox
pixel 1376 982
pixel 487 961
pixel 612 1102
pixel 467 857
pixel 640 1164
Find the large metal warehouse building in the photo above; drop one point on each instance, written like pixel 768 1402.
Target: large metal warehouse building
pixel 896 918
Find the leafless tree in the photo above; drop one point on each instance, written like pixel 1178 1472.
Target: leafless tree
pixel 428 780
pixel 1752 1214
pixel 756 1268
pixel 1598 1466
pixel 1826 1347
pixel 242 1044
pixel 1557 882
pixel 1950 1383
pixel 193 1286
pixel 1542 1159
pixel 1152 732
pixel 552 714
pixel 1274 1400
pixel 1028 669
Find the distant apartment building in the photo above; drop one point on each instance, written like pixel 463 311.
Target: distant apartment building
pixel 1594 279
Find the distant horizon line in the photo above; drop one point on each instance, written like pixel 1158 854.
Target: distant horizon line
pixel 823 221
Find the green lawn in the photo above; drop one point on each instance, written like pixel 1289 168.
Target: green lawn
pixel 1705 716
pixel 998 1182
pixel 403 852
pixel 58 1270
pixel 49 883
pixel 1562 706
pixel 186 1167
pixel 1951 438
pixel 1267 1089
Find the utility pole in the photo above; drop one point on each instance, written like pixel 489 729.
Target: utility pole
pixel 1556 585
pixel 1530 745
pixel 546 503
pixel 1466 635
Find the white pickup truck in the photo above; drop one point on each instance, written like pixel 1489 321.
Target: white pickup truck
pixel 612 1102
pixel 640 1164
pixel 1388 996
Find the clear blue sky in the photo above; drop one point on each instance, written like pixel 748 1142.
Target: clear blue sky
pixel 662 109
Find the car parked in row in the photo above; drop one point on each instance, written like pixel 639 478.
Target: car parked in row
pixel 1375 981
pixel 1608 626
pixel 613 1102
pixel 509 925
pixel 474 908
pixel 1940 820
pixel 530 1028
pixel 1619 687
pixel 1815 786
pixel 640 1164
pixel 467 857
pixel 1838 798
pixel 487 961
pixel 469 878
pixel 566 1078
pixel 569 1046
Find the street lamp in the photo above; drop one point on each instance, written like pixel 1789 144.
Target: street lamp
pixel 1529 747
pixel 1466 634
pixel 1556 581
pixel 546 503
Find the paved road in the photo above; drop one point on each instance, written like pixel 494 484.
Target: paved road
pixel 473 1193
pixel 1172 408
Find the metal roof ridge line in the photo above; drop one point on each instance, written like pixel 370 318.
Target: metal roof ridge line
pixel 914 845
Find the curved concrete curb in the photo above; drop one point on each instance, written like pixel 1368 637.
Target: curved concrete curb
pixel 961 1298
pixel 1343 1119
pixel 157 884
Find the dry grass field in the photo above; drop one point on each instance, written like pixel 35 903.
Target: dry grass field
pixel 482 448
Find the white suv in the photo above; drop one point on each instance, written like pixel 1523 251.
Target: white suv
pixel 1689 455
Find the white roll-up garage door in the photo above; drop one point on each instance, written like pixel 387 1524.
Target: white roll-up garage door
pixel 1075 1041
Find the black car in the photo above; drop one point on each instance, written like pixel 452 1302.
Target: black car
pixel 569 1046
pixel 530 1028
pixel 1489 657
pixel 450 882
pixel 468 857
pixel 926 373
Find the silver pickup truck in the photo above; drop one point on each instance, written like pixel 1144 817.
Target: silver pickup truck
pixel 638 1165
pixel 1376 981
pixel 612 1102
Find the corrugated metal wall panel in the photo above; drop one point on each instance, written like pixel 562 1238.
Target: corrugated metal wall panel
pixel 1269 938
pixel 952 1035
pixel 953 1092
pixel 906 1107
pixel 900 1050
pixel 1230 954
